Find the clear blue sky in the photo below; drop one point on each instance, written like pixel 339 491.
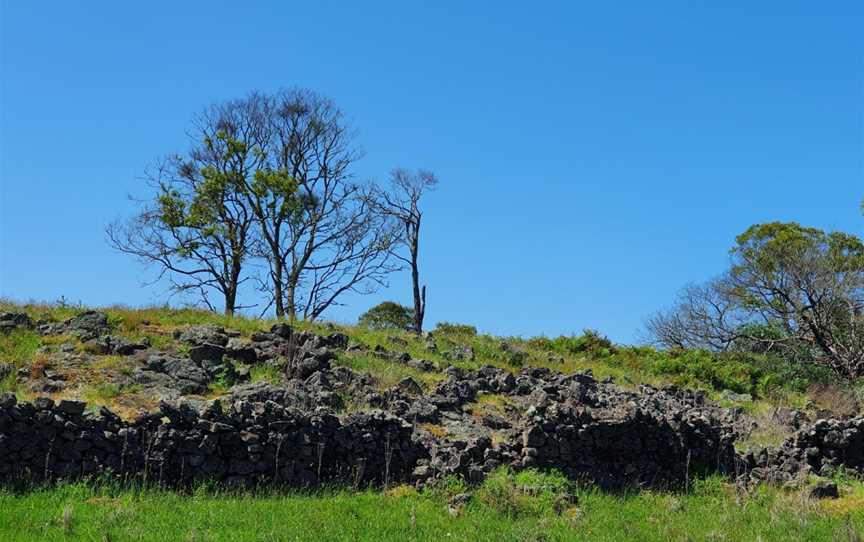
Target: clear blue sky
pixel 593 157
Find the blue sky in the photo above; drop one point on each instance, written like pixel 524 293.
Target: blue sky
pixel 593 157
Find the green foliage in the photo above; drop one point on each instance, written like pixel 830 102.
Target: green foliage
pixel 224 379
pixel 591 342
pixel 279 190
pixel 203 209
pixel 172 208
pixel 771 248
pixel 388 315
pixel 785 268
pixel 516 358
pixel 448 328
pixel 698 368
pixel 742 372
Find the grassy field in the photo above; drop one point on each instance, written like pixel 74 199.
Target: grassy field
pixel 525 507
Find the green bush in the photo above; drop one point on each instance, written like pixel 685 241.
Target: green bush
pixel 448 328
pixel 741 372
pixel 388 315
pixel 778 373
pixel 541 343
pixel 701 368
pixel 591 342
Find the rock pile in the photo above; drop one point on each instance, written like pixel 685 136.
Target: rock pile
pixel 816 449
pixel 587 429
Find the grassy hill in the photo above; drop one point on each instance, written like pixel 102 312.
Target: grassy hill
pixel 767 381
pixel 528 505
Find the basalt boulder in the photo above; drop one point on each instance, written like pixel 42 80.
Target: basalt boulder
pixel 14 320
pixel 88 325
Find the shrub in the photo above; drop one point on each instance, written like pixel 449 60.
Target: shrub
pixel 591 342
pixel 741 372
pixel 448 328
pixel 516 358
pixel 388 315
pixel 698 367
pixel 541 343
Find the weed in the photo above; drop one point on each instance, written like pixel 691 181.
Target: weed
pixel 438 430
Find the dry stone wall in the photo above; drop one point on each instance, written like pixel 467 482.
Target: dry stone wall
pixel 250 443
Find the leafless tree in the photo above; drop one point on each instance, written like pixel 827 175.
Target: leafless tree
pixel 402 202
pixel 322 237
pixel 703 317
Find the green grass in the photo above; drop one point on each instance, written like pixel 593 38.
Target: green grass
pixel 102 393
pixel 132 320
pixel 264 373
pixel 526 506
pixel 387 373
pixel 18 349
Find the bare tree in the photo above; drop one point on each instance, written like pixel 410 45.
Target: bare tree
pixel 322 236
pixel 319 232
pixel 349 253
pixel 703 317
pixel 402 203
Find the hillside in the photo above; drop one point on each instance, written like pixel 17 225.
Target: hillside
pixel 163 399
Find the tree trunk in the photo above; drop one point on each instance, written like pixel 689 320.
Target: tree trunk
pixel 290 302
pixel 233 282
pixel 419 295
pixel 276 276
pixel 230 301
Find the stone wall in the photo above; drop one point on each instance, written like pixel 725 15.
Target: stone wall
pixel 818 449
pixel 250 443
pixel 265 443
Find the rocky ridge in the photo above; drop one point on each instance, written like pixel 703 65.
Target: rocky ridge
pixel 298 432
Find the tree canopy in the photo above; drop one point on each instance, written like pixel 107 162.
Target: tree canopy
pixel 790 289
pixel 388 315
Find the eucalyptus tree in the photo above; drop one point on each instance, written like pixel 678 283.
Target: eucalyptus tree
pixel 790 289
pixel 196 227
pixel 269 177
pixel 323 234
